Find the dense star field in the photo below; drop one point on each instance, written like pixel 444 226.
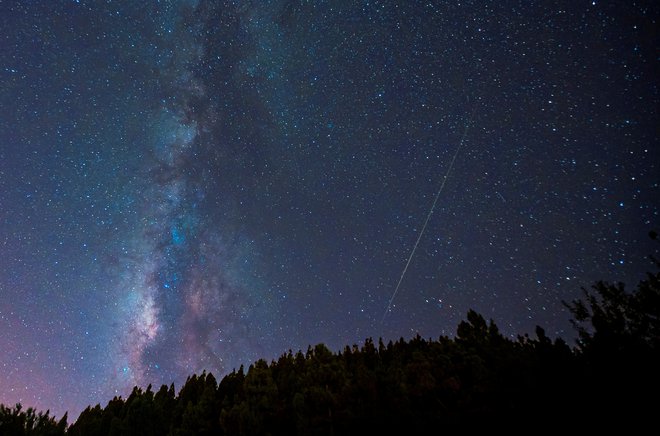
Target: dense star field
pixel 193 185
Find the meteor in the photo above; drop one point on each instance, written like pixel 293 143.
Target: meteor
pixel 428 216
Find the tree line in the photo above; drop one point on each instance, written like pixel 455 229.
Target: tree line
pixel 415 386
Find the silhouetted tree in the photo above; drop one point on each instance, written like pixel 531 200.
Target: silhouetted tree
pixel 619 345
pixel 611 320
pixel 14 421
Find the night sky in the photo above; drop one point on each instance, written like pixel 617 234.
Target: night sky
pixel 190 185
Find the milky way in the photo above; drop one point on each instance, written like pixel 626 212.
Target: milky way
pixel 183 308
pixel 192 185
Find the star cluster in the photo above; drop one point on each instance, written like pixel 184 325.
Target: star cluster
pixel 192 185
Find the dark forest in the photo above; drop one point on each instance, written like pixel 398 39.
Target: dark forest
pixel 410 386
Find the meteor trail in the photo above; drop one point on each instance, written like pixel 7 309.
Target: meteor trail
pixel 428 216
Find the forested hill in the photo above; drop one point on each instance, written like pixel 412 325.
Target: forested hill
pixel 410 387
pixel 401 386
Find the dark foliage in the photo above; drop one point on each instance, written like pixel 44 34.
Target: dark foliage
pixel 16 421
pixel 405 385
pixel 410 387
pixel 619 346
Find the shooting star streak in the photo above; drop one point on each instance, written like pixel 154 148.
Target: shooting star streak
pixel 428 216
